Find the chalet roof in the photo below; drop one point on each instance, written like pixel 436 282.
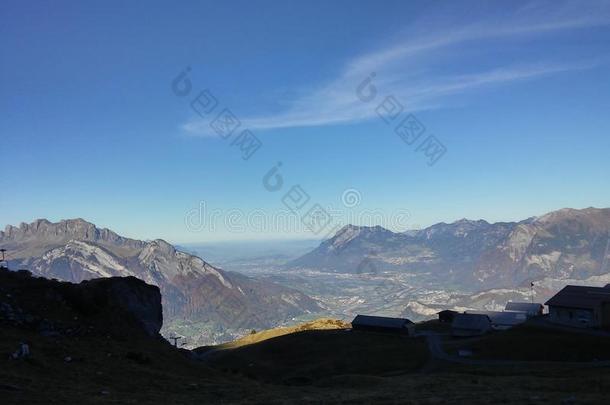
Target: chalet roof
pixel 530 308
pixel 471 321
pixel 574 296
pixel 503 318
pixel 381 322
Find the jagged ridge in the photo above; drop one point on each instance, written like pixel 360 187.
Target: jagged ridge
pixel 193 290
pixel 567 243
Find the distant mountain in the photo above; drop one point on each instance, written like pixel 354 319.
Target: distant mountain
pixel 568 243
pixel 197 297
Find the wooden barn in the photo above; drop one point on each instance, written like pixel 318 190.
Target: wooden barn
pixel 581 306
pixel 446 315
pixel 464 325
pixel 502 320
pixel 382 324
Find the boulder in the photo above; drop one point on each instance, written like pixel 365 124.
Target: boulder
pixel 127 296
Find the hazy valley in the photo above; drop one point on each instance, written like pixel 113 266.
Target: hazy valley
pixel 463 265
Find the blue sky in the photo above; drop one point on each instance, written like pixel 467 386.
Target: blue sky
pixel 517 93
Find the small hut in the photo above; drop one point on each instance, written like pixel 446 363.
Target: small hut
pixel 446 315
pixel 502 320
pixel 382 324
pixel 464 325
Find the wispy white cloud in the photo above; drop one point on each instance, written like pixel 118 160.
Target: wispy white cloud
pixel 401 68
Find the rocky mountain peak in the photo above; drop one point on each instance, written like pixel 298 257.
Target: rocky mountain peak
pixel 458 228
pixel 568 220
pixel 42 228
pixel 351 232
pixel 344 236
pixel 571 213
pixel 161 247
pixel 34 238
pixel 564 243
pixel 557 215
pixel 193 290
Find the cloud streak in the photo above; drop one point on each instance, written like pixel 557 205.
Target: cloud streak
pixel 403 69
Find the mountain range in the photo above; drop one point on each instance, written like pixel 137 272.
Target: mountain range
pixel 464 264
pixel 475 255
pixel 203 302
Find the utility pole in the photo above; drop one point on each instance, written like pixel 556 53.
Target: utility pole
pixel 175 339
pixel 605 257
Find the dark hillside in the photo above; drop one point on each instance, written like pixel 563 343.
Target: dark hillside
pixel 306 357
pixel 97 342
pixel 120 306
pixel 534 343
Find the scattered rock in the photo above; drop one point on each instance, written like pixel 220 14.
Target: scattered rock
pixel 22 352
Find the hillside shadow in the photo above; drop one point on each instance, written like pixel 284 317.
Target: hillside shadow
pixel 309 357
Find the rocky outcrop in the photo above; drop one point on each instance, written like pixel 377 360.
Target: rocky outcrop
pixel 129 296
pixel 193 291
pixel 117 305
